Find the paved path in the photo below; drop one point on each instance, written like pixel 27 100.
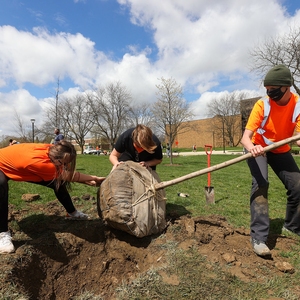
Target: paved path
pixel 213 153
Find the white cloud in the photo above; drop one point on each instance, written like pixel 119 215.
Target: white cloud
pixel 39 57
pixel 18 104
pixel 199 107
pixel 203 45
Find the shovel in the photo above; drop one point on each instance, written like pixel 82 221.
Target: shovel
pixel 209 190
pixel 273 146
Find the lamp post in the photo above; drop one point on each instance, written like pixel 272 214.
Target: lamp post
pixel 222 118
pixel 32 122
pixel 223 136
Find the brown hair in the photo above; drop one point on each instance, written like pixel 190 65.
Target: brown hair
pixel 65 151
pixel 143 137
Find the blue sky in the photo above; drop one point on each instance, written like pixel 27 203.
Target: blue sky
pixel 204 45
pixel 104 22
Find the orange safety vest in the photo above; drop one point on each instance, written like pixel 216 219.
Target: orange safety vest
pixel 267 108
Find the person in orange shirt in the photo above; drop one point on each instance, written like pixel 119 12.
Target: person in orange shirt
pixel 137 144
pixel 281 121
pixel 49 165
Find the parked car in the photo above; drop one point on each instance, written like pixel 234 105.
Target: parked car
pixel 90 150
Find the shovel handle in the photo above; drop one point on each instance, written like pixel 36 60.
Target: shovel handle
pixel 208 149
pixel 275 145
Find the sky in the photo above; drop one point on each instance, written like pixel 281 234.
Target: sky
pixel 203 45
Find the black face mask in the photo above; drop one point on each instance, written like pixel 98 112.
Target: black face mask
pixel 276 94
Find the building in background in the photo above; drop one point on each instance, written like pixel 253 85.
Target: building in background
pixel 219 131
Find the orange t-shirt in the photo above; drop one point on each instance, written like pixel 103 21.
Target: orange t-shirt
pixel 279 124
pixel 27 162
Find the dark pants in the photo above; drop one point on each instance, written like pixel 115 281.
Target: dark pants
pixel 285 167
pixel 62 195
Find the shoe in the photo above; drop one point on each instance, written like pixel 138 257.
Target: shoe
pixel 285 230
pixel 77 215
pixel 259 247
pixel 6 245
pixel 288 231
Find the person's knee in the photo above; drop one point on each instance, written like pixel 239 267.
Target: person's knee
pixel 261 191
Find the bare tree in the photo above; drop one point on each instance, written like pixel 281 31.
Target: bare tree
pixel 225 112
pixel 111 110
pixel 282 49
pixel 171 110
pixel 53 118
pixel 142 114
pixel 57 119
pixel 78 116
pixel 20 127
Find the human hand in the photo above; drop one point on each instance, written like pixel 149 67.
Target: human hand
pixel 257 150
pixel 96 181
pixel 144 164
pixel 116 165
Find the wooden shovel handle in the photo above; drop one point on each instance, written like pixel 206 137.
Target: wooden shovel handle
pixel 275 145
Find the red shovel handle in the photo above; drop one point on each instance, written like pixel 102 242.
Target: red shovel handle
pixel 208 148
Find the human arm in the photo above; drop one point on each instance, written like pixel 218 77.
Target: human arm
pixel 114 158
pixel 246 141
pixel 91 180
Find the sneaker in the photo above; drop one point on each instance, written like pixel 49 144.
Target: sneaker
pixel 288 231
pixel 76 215
pixel 6 245
pixel 259 247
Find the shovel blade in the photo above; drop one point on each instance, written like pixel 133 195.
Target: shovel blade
pixel 210 195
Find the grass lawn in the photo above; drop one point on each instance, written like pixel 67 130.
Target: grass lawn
pixel 231 191
pixel 231 187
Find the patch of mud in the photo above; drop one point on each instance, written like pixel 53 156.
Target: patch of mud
pixel 58 259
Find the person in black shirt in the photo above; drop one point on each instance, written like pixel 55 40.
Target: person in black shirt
pixel 137 144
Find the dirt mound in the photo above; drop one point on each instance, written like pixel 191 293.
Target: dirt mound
pixel 58 259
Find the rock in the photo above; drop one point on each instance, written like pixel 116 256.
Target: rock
pixel 189 226
pixel 285 267
pixel 30 197
pixel 86 197
pixel 229 258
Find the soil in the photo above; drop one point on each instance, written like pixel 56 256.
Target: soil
pixel 58 259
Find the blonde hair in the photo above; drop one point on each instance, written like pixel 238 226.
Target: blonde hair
pixel 143 137
pixel 65 151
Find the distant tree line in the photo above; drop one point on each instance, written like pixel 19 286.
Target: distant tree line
pixel 103 114
pixel 106 112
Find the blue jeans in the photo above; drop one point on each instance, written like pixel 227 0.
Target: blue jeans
pixel 62 195
pixel 285 167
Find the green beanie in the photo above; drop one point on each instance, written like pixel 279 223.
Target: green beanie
pixel 279 75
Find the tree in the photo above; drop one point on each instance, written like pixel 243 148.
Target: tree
pixel 141 114
pixel 57 118
pixel 53 118
pixel 224 111
pixel 282 49
pixel 170 110
pixel 78 116
pixel 24 133
pixel 21 128
pixel 111 110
